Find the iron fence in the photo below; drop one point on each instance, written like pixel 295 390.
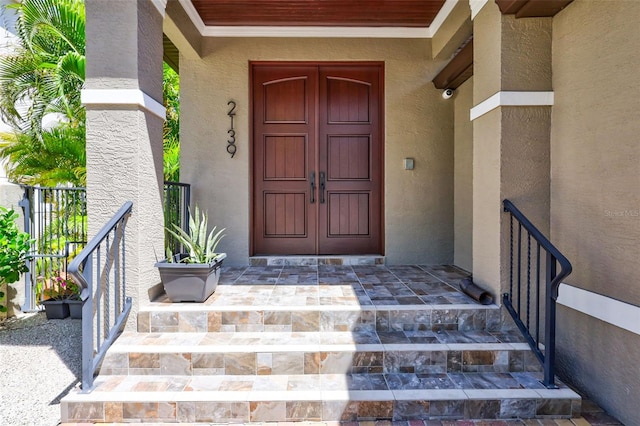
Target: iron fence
pixel 56 219
pixel 177 198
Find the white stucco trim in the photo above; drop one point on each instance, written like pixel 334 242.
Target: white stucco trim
pixel 317 32
pixel 612 311
pixel 193 15
pixel 161 5
pixel 476 6
pixel 442 16
pixel 123 97
pixel 511 99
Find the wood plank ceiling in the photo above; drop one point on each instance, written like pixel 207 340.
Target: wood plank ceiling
pixel 347 13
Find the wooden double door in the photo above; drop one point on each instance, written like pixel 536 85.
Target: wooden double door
pixel 317 158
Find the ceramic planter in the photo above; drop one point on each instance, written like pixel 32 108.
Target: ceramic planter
pixel 190 282
pixel 56 309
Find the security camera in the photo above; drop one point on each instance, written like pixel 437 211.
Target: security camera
pixel 447 93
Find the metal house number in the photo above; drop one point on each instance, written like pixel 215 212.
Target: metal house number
pixel 231 142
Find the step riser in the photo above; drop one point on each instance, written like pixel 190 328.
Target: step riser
pixel 319 362
pixel 315 260
pixel 317 410
pixel 381 320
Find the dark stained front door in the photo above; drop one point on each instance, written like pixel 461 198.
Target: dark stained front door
pixel 317 158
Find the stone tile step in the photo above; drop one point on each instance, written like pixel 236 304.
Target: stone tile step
pixel 305 353
pixel 314 398
pixel 287 316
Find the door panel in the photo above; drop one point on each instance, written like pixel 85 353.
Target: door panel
pixel 349 142
pixel 348 214
pixel 284 146
pixel 285 157
pixel 285 100
pixel 285 214
pixel 317 159
pixel 349 157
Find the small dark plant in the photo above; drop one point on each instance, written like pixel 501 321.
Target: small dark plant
pixel 14 246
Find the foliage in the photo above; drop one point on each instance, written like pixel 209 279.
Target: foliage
pixel 200 246
pixel 60 287
pixel 44 75
pixel 171 130
pixel 171 160
pixel 58 157
pixel 14 246
pixel 47 69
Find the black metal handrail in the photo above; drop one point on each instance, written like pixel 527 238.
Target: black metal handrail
pixel 518 303
pixel 99 270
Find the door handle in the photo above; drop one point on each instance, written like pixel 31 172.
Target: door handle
pixel 312 182
pixel 322 186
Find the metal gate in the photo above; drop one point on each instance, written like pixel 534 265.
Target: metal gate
pixel 56 219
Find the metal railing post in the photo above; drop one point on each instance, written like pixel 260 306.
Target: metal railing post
pixel 551 285
pixel 87 329
pixel 550 326
pixel 29 302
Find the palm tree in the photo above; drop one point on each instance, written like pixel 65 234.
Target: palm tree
pixel 57 157
pixel 171 130
pixel 47 69
pixel 44 76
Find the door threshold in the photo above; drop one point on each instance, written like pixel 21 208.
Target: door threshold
pixel 308 260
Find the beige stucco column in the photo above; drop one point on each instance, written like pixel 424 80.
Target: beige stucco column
pixel 123 97
pixel 511 132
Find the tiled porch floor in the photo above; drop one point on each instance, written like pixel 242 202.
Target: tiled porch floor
pixel 325 285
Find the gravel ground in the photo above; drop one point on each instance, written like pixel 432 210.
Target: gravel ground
pixel 40 361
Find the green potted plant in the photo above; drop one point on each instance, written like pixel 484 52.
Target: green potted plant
pixel 53 298
pixel 193 276
pixel 14 246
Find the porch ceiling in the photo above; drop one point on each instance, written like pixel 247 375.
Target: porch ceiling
pixel 348 13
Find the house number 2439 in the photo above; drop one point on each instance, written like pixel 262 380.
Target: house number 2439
pixel 231 142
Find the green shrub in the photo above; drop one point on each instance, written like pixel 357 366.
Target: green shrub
pixel 14 246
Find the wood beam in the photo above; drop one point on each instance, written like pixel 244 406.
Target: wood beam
pixel 457 71
pixel 532 8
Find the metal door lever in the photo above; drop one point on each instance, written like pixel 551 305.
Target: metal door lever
pixel 322 187
pixel 312 180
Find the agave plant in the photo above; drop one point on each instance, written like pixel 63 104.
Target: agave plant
pixel 200 246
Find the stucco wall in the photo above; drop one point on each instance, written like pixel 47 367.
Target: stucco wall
pixel 419 124
pixel 463 177
pixel 124 142
pixel 595 190
pixel 511 143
